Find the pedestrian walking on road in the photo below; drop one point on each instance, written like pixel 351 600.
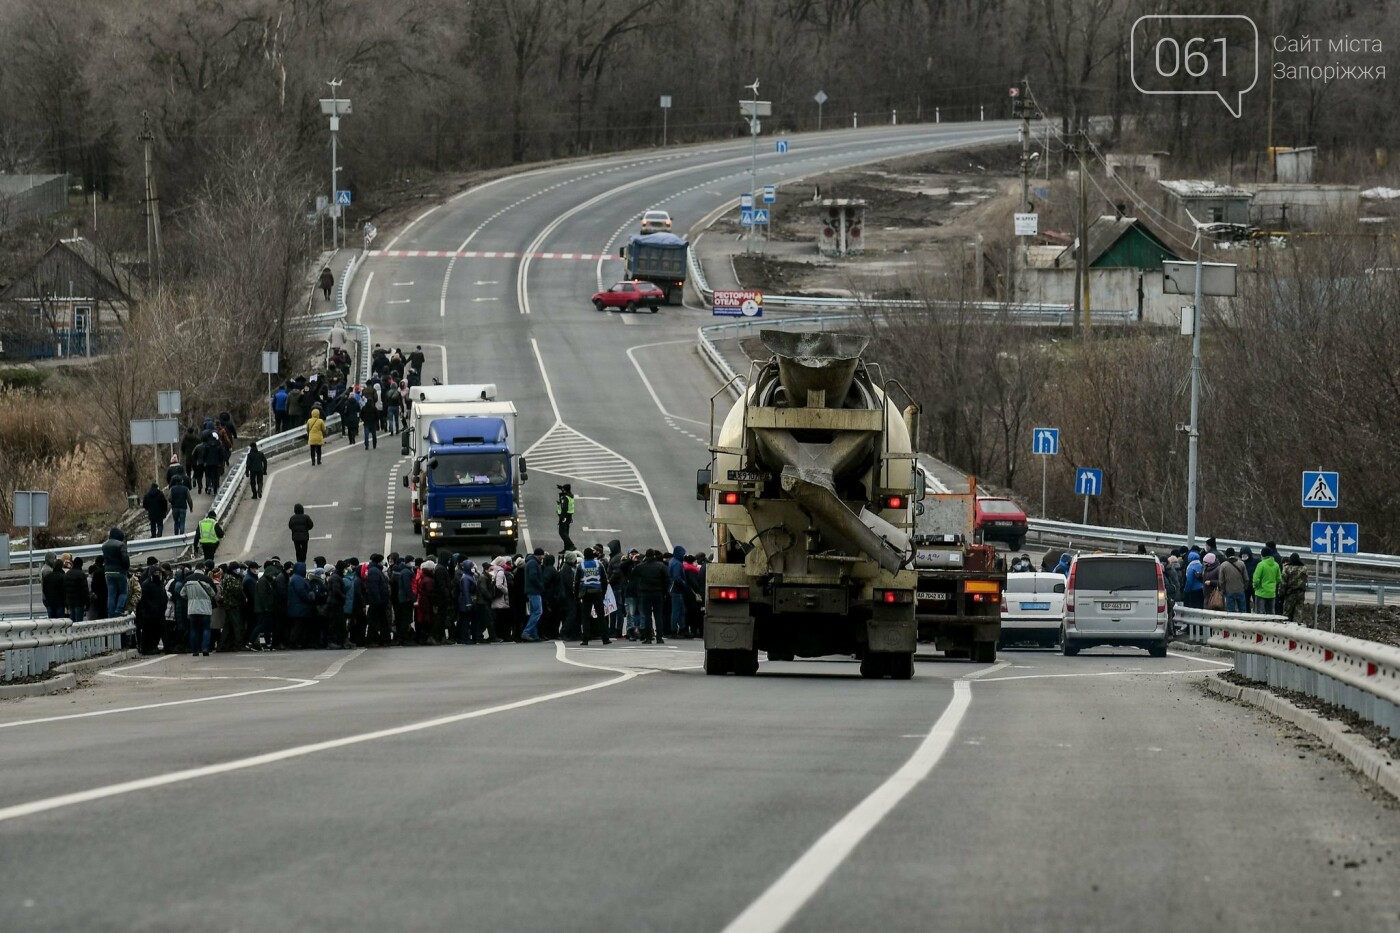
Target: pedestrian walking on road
pixel 279 409
pixel 534 593
pixel 326 282
pixel 150 609
pixel 675 573
pixel 369 418
pixel 210 534
pixel 377 600
pixel 315 435
pixel 157 507
pixel 257 469
pixel 181 501
pixel 564 511
pixel 393 404
pixel 595 618
pixel 300 524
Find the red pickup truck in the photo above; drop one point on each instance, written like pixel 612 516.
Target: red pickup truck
pixel 628 295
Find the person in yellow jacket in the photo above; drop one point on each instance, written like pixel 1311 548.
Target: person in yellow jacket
pixel 315 435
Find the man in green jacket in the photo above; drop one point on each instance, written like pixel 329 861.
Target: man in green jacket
pixel 1266 578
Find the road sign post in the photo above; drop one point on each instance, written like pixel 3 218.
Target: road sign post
pixel 31 511
pixel 1322 489
pixel 1046 443
pixel 1088 481
pixel 665 111
pixel 1333 538
pixel 269 368
pixel 821 98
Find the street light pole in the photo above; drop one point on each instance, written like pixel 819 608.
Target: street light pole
pixel 753 160
pixel 1193 429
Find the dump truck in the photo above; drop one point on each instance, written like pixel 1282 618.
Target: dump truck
pixel 809 494
pixel 659 258
pixel 464 485
pixel 960 579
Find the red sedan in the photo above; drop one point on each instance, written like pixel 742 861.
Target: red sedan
pixel 628 295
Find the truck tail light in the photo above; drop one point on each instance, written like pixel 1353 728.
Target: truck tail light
pixel 894 502
pixel 730 497
pixel 894 597
pixel 981 586
pixel 729 594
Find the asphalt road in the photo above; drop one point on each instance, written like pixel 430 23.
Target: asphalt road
pixel 534 787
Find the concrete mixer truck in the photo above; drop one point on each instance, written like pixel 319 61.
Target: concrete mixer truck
pixel 810 494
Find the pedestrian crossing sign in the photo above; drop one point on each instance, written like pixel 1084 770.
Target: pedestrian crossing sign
pixel 1321 489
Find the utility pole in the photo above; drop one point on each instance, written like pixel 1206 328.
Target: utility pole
pixel 1024 106
pixel 332 108
pixel 753 160
pixel 1193 433
pixel 1081 266
pixel 153 251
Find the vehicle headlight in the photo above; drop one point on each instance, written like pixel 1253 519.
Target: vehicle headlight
pixel 434 525
pixel 507 523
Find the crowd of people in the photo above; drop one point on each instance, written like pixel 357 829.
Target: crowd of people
pixel 1228 580
pixel 599 593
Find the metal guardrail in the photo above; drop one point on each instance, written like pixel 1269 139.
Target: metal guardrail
pixel 1359 675
pixel 31 647
pixel 229 495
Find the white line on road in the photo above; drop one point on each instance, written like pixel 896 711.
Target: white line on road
pixel 267 485
pixel 300 751
pixel 399 301
pixel 1193 657
pixel 334 669
pixel 364 293
pixel 323 505
pixel 144 706
pixel 999 680
pixel 781 902
pixel 402 284
pixel 647 382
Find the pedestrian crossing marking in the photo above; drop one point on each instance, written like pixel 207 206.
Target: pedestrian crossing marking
pixel 567 453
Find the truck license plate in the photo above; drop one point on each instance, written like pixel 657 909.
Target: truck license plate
pixel 933 597
pixel 1115 607
pixel 466 526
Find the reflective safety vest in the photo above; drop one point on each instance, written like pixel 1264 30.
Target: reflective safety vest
pixel 592 576
pixel 565 506
pixel 206 531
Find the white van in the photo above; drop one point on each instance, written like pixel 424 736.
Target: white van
pixel 1115 599
pixel 1032 609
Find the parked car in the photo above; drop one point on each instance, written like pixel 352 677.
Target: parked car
pixel 656 222
pixel 1033 608
pixel 1001 519
pixel 628 295
pixel 1115 599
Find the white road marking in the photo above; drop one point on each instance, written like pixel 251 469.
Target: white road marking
pixel 647 382
pixel 398 301
pixel 492 298
pixel 402 284
pixel 364 293
pixel 563 458
pixel 998 680
pixel 324 505
pixel 1196 657
pixel 334 669
pixel 144 706
pixel 300 751
pixel 486 282
pixel 786 896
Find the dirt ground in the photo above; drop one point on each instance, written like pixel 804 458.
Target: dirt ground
pixel 922 212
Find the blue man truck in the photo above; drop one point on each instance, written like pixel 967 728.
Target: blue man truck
pixel 659 258
pixel 465 480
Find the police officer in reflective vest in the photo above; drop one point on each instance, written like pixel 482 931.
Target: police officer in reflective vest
pixel 592 583
pixel 564 509
pixel 210 534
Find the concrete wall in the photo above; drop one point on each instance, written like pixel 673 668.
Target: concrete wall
pixel 1109 290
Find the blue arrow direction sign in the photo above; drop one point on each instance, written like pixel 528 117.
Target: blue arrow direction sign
pixel 342 198
pixel 1321 489
pixel 782 146
pixel 1045 441
pixel 1335 537
pixel 1088 481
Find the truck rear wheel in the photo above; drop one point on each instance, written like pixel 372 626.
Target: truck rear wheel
pixel 872 666
pixel 984 652
pixel 744 663
pixel 902 666
pixel 716 661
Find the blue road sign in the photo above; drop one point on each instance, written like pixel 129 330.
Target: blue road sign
pixel 1321 489
pixel 770 194
pixel 1045 441
pixel 342 198
pixel 1335 537
pixel 782 146
pixel 760 215
pixel 746 217
pixel 1088 481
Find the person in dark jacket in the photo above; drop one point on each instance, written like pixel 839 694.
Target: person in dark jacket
pixel 150 609
pixel 445 599
pixel 176 633
pixel 515 589
pixel 423 619
pixel 226 422
pixel 300 524
pixel 468 629
pixel 97 589
pixel 181 501
pixel 377 599
pixel 215 456
pixel 257 470
pixel 116 564
pixel 652 582
pixel 174 468
pixel 75 590
pixel 675 573
pixel 156 506
pixel 403 600
pixel 534 592
pixel 553 597
pixel 264 606
pixel 569 628
pixel 281 583
pixel 326 282
pixel 301 608
pixel 51 587
pixel 369 417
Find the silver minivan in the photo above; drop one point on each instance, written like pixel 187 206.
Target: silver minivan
pixel 1115 599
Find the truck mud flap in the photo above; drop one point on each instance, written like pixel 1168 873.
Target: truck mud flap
pixel 728 630
pixel 893 635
